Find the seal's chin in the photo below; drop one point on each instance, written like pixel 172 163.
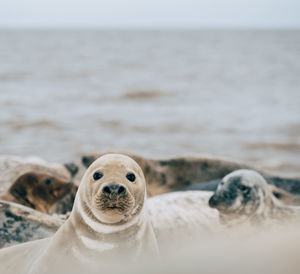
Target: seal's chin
pixel 112 216
pixel 226 210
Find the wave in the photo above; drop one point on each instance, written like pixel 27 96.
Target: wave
pixel 277 146
pixel 143 94
pixel 20 125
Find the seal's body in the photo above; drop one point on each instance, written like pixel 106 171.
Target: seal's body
pixel 244 195
pixel 180 217
pixel 108 220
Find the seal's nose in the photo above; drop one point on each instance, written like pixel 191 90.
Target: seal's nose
pixel 114 189
pixel 213 201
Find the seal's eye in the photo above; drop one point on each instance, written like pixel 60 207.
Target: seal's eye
pixel 245 189
pixel 130 176
pixel 97 175
pixel 47 181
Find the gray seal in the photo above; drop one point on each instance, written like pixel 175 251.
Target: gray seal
pixel 109 220
pixel 244 195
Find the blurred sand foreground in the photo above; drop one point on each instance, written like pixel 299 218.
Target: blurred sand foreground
pixel 260 252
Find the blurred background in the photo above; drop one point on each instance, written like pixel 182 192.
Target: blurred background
pixel 178 78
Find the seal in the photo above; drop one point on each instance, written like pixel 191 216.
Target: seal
pixel 14 166
pixel 39 185
pixel 244 196
pixel 45 192
pixel 109 219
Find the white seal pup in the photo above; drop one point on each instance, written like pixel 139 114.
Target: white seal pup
pixel 244 196
pixel 109 219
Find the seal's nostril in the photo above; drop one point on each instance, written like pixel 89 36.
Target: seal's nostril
pixel 121 190
pixel 106 190
pixel 114 189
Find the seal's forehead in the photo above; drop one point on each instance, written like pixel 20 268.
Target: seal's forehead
pixel 115 161
pixel 246 177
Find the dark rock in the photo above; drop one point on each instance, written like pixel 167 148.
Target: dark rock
pixel 19 224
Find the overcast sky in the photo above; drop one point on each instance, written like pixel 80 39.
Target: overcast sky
pixel 150 13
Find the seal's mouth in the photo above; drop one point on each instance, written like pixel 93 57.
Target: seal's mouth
pixel 113 207
pixel 118 204
pixel 223 204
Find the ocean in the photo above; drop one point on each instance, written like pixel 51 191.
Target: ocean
pixel 157 93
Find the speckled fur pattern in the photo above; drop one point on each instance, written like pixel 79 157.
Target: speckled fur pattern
pixel 244 195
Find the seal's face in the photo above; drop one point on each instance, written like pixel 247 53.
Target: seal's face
pixel 40 190
pixel 115 188
pixel 237 194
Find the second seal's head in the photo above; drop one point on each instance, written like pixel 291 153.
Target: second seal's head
pixel 113 188
pixel 241 192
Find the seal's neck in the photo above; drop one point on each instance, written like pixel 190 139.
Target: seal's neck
pixel 269 209
pixel 83 219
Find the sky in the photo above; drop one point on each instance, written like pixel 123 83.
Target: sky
pixel 150 13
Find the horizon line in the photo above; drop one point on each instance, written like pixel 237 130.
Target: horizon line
pixel 148 28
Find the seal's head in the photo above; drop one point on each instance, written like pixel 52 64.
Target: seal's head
pixel 41 190
pixel 113 189
pixel 242 192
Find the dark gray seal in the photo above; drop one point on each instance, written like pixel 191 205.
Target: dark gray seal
pixel 244 195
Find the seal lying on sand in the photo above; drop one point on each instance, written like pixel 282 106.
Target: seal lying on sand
pixel 36 184
pixel 283 196
pixel 244 195
pixel 109 219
